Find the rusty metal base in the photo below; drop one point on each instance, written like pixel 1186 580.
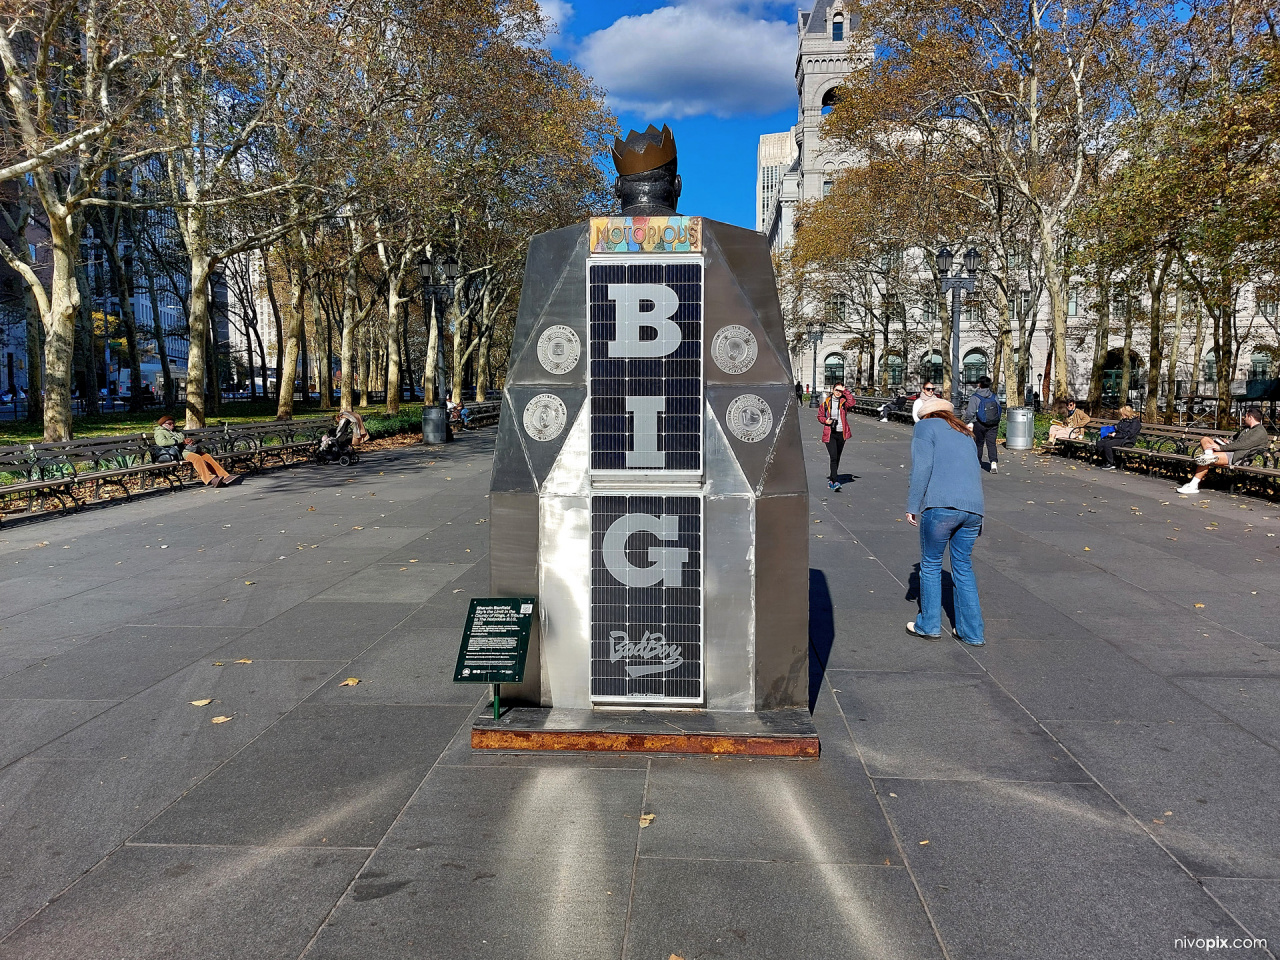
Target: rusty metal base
pixel 775 733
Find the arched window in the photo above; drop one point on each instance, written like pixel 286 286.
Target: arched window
pixel 837 28
pixel 975 366
pixel 1260 366
pixel 833 369
pixel 829 100
pixel 1209 368
pixel 893 366
pixel 931 367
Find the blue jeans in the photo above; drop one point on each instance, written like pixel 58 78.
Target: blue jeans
pixel 940 527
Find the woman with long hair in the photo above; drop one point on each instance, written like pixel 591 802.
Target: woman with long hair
pixel 1127 429
pixel 945 501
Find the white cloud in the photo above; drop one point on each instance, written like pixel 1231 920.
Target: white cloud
pixel 716 57
pixel 557 12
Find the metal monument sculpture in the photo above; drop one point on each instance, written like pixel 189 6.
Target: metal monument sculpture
pixel 648 483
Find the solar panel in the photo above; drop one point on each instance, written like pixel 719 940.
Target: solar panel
pixel 646 365
pixel 646 598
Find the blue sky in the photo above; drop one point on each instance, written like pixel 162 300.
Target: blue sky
pixel 720 72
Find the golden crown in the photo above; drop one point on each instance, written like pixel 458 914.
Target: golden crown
pixel 642 152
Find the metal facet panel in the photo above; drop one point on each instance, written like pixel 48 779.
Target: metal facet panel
pixel 746 253
pixel 564 594
pixel 513 572
pixel 559 259
pixel 541 454
pixel 782 602
pixel 511 469
pixel 727 305
pixel 785 472
pixel 729 620
pixel 752 455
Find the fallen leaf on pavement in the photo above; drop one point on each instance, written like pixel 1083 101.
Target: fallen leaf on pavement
pixel 646 820
pixel 217 663
pixel 924 843
pixel 202 703
pixel 357 528
pixel 1199 605
pixel 244 660
pixel 349 682
pixel 250 583
pixel 219 719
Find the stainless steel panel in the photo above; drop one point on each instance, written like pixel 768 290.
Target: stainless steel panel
pixel 565 303
pixel 511 470
pixel 753 457
pixel 542 454
pixel 726 303
pixel 513 572
pixel 729 639
pixel 564 589
pixel 782 602
pixel 785 472
pixel 747 255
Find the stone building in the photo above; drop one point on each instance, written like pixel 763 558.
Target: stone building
pixel 796 166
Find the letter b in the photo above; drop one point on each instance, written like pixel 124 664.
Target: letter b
pixel 631 319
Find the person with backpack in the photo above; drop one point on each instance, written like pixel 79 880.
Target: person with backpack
pixel 983 416
pixel 835 428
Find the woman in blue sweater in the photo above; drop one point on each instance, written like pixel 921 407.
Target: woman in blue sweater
pixel 945 502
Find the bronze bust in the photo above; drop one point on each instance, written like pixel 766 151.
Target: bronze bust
pixel 647 183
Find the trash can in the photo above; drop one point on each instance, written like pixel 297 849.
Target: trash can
pixel 1020 428
pixel 435 425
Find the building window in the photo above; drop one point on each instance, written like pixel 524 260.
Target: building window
pixel 1267 303
pixel 826 187
pixel 1209 368
pixel 1260 366
pixel 833 369
pixel 837 28
pixel 1073 302
pixel 975 366
pixel 931 367
pixel 837 310
pixel 893 365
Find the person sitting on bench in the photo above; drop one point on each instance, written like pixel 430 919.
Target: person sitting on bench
pixel 209 470
pixel 1126 431
pixel 1069 424
pixel 1248 440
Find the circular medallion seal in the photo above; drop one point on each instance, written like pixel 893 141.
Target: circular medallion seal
pixel 545 416
pixel 750 418
pixel 734 349
pixel 559 349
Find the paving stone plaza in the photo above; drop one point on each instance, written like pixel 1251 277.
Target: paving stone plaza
pixel 1099 781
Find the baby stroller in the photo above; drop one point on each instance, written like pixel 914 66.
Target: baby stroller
pixel 338 445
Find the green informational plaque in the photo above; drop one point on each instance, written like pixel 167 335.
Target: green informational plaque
pixel 495 640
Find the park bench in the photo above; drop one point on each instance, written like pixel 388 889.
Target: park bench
pixel 870 407
pixel 1174 447
pixel 250 446
pixel 482 414
pixel 64 470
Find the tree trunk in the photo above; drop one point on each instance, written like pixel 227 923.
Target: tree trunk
pixel 288 371
pixel 323 367
pixel 395 323
pixel 198 319
pixel 87 343
pixel 1155 348
pixel 1171 384
pixel 59 336
pixel 482 365
pixel 1126 367
pixel 947 372
pixel 1101 337
pixel 35 358
pixel 275 313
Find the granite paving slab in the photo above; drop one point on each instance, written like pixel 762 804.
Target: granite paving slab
pixel 173 903
pixel 29 725
pixel 324 775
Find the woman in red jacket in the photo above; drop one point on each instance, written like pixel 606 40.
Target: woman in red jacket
pixel 835 428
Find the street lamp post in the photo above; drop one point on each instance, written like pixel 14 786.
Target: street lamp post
pixel 814 332
pixel 437 284
pixel 954 284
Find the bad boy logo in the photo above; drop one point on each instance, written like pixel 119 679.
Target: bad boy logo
pixel 652 646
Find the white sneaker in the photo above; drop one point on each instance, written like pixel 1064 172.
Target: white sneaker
pixel 1206 458
pixel 1189 488
pixel 995 468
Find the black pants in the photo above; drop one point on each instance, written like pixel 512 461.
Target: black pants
pixel 835 447
pixel 1107 447
pixel 986 435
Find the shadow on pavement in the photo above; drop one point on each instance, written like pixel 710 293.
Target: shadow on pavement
pixel 822 632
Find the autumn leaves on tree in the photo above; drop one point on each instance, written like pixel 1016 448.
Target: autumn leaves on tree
pixel 337 144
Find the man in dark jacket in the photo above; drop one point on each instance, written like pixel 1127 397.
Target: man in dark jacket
pixel 1248 440
pixel 1125 433
pixel 983 416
